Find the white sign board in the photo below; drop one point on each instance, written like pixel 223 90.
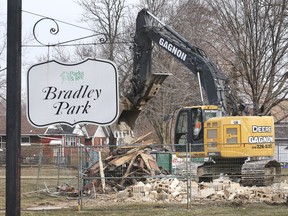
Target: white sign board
pixel 72 93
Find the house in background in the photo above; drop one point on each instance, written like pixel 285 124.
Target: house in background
pixel 29 137
pixel 281 140
pixel 53 144
pixel 61 142
pixel 29 134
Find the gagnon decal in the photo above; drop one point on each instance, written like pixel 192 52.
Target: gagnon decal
pixel 172 49
pixel 73 93
pixel 261 139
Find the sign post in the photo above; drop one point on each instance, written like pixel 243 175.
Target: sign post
pixel 13 107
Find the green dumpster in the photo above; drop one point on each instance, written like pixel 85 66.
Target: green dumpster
pixel 164 161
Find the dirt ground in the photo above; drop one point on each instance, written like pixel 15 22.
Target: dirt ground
pixel 36 201
pixel 167 209
pixel 42 204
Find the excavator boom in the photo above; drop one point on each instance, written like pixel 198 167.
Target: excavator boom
pixel 213 81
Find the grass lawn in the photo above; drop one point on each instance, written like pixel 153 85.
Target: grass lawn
pixel 48 176
pixel 172 210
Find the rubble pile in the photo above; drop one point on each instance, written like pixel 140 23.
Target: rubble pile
pixel 125 166
pixel 222 189
pixel 132 174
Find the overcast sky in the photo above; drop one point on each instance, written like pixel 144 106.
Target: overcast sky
pixel 64 10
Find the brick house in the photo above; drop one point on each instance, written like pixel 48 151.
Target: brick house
pixel 53 144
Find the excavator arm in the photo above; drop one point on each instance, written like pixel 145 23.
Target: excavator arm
pixel 212 80
pixel 145 84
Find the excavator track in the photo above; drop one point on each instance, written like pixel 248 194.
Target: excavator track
pixel 260 173
pixel 213 169
pixel 190 169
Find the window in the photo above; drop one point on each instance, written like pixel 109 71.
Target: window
pixel 25 139
pixel 207 114
pixel 70 141
pixel 182 124
pixel 2 143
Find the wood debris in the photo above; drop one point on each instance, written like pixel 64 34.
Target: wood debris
pixel 122 168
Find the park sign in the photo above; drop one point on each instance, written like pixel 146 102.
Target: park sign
pixel 85 92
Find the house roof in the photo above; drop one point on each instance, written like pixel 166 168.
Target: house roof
pixel 91 129
pixel 87 130
pixel 60 129
pixel 26 127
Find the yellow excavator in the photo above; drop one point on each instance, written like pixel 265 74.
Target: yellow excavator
pixel 240 146
pixel 227 143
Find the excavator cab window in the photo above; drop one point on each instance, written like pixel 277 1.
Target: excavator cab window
pixel 189 129
pixel 197 124
pixel 208 113
pixel 181 131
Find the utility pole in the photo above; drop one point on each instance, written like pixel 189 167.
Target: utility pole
pixel 13 110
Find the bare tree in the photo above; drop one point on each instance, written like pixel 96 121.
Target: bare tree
pixel 58 53
pixel 111 20
pixel 181 88
pixel 255 32
pixel 104 17
pixel 3 43
pixel 3 40
pixel 158 114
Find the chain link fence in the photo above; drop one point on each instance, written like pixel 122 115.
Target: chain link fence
pixel 135 172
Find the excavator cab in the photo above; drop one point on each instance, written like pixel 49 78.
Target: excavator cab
pixel 189 128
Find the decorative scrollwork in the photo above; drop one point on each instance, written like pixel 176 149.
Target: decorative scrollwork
pixel 103 40
pixel 53 30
